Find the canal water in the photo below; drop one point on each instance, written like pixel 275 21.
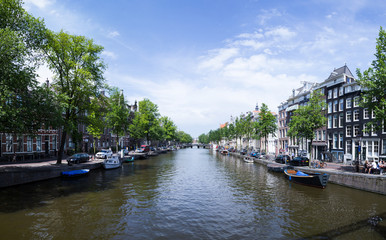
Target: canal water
pixel 187 194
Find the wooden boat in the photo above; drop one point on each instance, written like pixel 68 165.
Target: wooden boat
pixel 112 162
pixel 75 173
pixel 310 179
pixel 248 159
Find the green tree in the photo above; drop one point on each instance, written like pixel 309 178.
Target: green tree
pixel 169 129
pixel 25 106
pixel 373 84
pixel 146 121
pixel 95 118
pixel 265 125
pixel 117 116
pixel 78 69
pixel 183 137
pixel 308 118
pixel 203 138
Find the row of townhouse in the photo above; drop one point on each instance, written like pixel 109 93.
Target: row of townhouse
pixel 253 144
pixel 46 142
pixel 344 137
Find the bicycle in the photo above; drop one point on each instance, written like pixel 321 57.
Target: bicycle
pixel 318 164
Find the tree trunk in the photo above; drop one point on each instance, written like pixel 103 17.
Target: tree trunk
pixel 61 148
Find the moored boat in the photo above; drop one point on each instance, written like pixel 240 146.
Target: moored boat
pixel 75 173
pixel 311 179
pixel 248 159
pixel 112 162
pixel 224 152
pixel 128 159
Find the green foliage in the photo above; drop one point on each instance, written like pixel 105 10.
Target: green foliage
pixel 117 116
pixel 373 83
pixel 203 138
pixel 78 69
pixel 183 137
pixel 146 121
pixel 266 124
pixel 308 118
pixel 25 107
pixel 169 130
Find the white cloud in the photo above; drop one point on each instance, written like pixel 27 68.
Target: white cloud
pixel 267 15
pixel 39 3
pixel 113 34
pixel 217 58
pixel 109 54
pixel 281 33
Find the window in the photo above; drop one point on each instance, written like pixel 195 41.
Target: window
pixel 341 120
pixel 29 144
pixel 335 92
pixel 348 89
pixel 335 105
pixel 348 116
pixel 348 131
pixel 356 101
pixel 341 105
pixel 341 140
pixel 38 143
pixel 20 144
pixel 320 135
pixel 370 148
pixel 356 115
pixel 348 146
pixel 341 91
pixel 348 103
pixel 329 96
pixel 366 113
pixel 365 130
pixel 324 135
pixel 335 140
pixel 8 143
pixel 383 147
pixel 376 148
pixel 329 107
pixel 335 123
pixel 330 121
pixel 356 130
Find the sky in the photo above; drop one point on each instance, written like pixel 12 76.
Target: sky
pixel 203 61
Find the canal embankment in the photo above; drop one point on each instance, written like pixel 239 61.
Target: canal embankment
pixel 16 174
pixel 341 175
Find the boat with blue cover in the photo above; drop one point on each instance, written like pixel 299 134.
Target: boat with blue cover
pixel 75 173
pixel 311 179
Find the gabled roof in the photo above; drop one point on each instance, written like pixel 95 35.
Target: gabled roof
pixel 340 71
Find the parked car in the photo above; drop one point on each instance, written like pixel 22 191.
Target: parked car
pixel 299 161
pixel 282 159
pixel 243 151
pixel 104 153
pixel 78 158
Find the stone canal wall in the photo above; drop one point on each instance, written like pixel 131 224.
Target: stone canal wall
pixel 367 182
pixel 11 175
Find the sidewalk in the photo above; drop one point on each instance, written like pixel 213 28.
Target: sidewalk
pixel 20 173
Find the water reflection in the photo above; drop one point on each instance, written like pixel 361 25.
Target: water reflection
pixel 190 194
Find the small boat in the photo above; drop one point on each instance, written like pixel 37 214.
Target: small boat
pixel 311 179
pixel 224 152
pixel 112 162
pixel 248 159
pixel 128 159
pixel 75 173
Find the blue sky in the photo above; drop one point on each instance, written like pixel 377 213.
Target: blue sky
pixel 203 61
